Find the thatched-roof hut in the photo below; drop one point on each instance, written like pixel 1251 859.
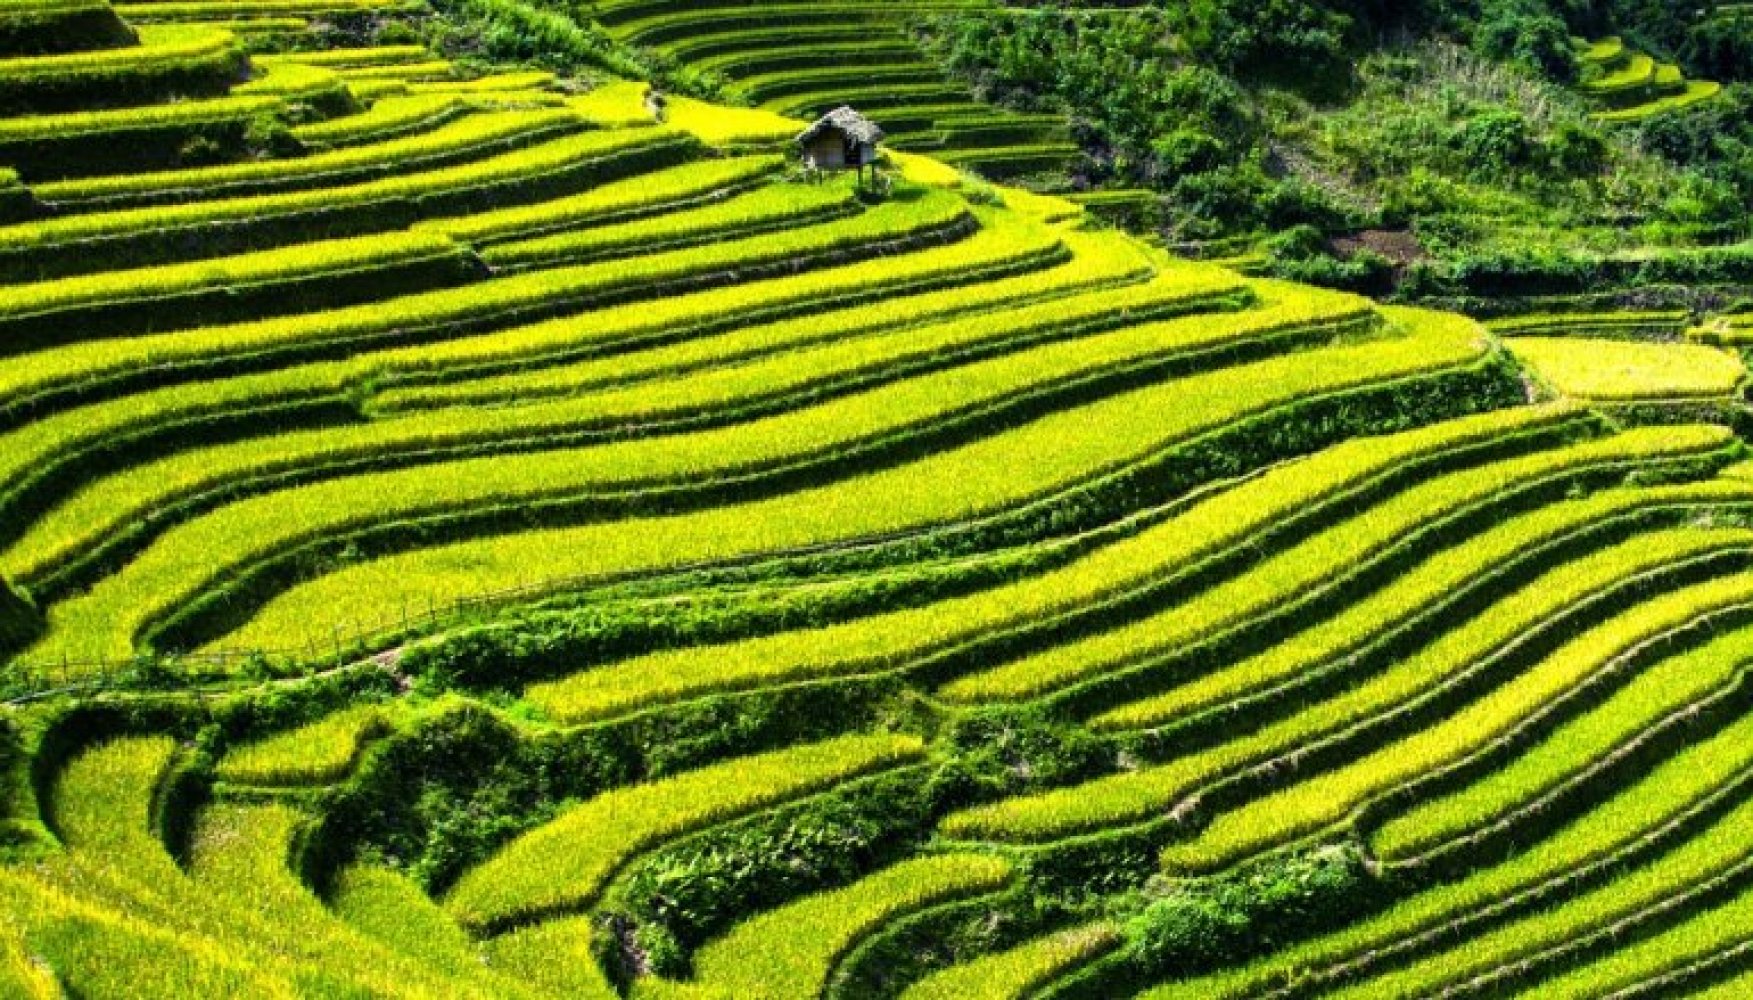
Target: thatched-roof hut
pixel 842 139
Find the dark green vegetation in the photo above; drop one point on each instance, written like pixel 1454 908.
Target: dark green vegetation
pixel 1462 152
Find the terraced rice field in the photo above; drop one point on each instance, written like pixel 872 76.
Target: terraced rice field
pixel 1631 86
pixel 802 59
pixel 507 546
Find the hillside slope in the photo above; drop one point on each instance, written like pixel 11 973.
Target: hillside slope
pixel 1511 155
pixel 484 537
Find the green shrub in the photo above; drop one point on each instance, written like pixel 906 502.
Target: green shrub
pixel 517 31
pixel 690 891
pixel 1496 142
pixel 1195 926
pixel 1526 33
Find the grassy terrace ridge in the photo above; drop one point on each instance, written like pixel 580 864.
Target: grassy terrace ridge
pixel 38 128
pixel 190 929
pixel 416 434
pixel 796 438
pixel 1302 568
pixel 859 53
pixel 97 241
pixel 1661 325
pixel 1618 371
pixel 1136 796
pixel 318 753
pixel 648 194
pixel 1016 972
pixel 771 208
pixel 307 275
pixel 472 529
pixel 387 117
pixel 894 639
pixel 1098 285
pixel 1000 248
pixel 1648 811
pixel 1487 555
pixel 170 60
pixel 1713 850
pixel 987 470
pixel 498 302
pixel 1698 943
pixel 1328 798
pixel 1662 692
pixel 468 138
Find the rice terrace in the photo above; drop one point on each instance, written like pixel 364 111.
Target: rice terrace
pixel 779 499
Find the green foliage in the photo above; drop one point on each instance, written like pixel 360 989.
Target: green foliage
pixel 684 894
pixel 514 31
pixel 1720 48
pixel 1187 927
pixel 1256 117
pixel 440 797
pixel 1286 38
pixel 1006 750
pixel 1527 33
pixel 1302 253
pixel 1715 141
pixel 1201 925
pixel 1496 140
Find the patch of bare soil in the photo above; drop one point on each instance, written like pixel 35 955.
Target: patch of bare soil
pixel 1398 245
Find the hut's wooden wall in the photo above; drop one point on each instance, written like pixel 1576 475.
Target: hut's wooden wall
pixel 828 151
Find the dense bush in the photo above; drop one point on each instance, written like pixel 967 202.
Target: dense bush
pixel 1208 923
pixel 1720 48
pixel 1714 142
pixel 684 894
pixel 1287 38
pixel 1183 928
pixel 1527 33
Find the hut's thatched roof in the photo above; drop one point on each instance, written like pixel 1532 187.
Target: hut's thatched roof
pixel 855 126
